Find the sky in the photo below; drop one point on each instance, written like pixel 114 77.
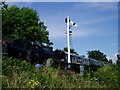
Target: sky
pixel 97 24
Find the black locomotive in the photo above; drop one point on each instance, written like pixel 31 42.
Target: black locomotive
pixel 34 52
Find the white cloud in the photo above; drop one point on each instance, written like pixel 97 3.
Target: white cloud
pixel 112 44
pixel 99 6
pixel 85 33
pixel 113 57
pixel 108 57
pixel 97 20
pixel 58 30
pixel 56 33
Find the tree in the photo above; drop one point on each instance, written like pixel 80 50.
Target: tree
pixel 58 50
pixel 3 5
pixel 118 61
pixel 23 23
pixel 110 61
pixel 82 55
pixel 96 54
pixel 71 50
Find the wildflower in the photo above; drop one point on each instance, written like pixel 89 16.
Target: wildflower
pixel 38 82
pixel 29 82
pixel 32 80
pixel 33 83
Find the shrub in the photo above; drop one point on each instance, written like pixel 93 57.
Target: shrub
pixel 21 74
pixel 16 73
pixel 110 75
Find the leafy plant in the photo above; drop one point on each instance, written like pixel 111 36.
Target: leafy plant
pixel 23 23
pixel 21 74
pixel 110 75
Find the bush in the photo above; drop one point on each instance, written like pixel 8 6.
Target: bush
pixel 10 65
pixel 110 75
pixel 21 74
pixel 16 73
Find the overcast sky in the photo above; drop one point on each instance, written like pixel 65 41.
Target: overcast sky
pixel 97 24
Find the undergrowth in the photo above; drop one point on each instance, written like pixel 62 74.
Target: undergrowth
pixel 21 74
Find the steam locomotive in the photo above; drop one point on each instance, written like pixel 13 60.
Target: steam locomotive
pixel 37 52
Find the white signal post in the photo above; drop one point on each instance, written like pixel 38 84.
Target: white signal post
pixel 68 38
pixel 68 21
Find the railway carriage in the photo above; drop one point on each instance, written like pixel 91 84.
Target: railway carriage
pixel 36 52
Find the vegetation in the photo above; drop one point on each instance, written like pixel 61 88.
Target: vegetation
pixel 118 61
pixel 4 6
pixel 110 61
pixel 109 75
pixel 71 50
pixel 96 54
pixel 23 23
pixel 21 74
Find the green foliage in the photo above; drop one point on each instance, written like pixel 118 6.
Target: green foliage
pixel 20 74
pixel 23 23
pixel 10 65
pixel 4 6
pixel 110 61
pixel 58 50
pixel 71 50
pixel 96 54
pixel 118 61
pixel 109 75
pixel 82 55
pixel 16 73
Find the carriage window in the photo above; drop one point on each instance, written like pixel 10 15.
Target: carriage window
pixel 72 59
pixel 66 57
pixel 82 61
pixel 76 59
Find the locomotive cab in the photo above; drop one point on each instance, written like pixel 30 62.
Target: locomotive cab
pixel 33 52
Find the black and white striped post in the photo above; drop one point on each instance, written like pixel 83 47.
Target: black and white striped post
pixel 68 21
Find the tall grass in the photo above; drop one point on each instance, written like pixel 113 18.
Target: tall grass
pixel 21 74
pixel 110 75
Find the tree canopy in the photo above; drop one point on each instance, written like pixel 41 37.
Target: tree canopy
pixel 110 61
pixel 71 50
pixel 23 23
pixel 3 5
pixel 118 59
pixel 96 54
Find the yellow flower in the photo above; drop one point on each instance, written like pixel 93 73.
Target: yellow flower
pixel 38 82
pixel 29 82
pixel 32 80
pixel 33 83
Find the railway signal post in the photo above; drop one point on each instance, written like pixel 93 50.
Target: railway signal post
pixel 68 40
pixel 68 21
